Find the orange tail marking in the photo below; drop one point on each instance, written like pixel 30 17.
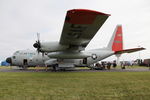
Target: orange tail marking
pixel 118 40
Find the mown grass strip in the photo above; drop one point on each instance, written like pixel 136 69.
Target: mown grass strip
pixel 75 86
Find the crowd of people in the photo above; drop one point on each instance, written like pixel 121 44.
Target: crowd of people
pixel 107 64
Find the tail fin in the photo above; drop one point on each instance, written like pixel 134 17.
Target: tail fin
pixel 116 42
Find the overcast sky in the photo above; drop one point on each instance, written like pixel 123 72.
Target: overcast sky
pixel 20 20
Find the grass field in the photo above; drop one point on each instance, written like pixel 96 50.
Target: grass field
pixel 75 86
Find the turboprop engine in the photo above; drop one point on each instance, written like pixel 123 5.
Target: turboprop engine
pixel 49 46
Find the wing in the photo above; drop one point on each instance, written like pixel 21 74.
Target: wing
pixel 80 26
pixel 129 50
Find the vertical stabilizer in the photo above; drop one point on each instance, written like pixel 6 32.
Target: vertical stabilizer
pixel 116 42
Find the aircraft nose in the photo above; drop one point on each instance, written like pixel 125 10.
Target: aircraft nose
pixel 8 60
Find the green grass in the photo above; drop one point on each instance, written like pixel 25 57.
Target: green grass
pixel 132 67
pixel 75 86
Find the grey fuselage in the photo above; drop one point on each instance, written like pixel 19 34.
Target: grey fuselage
pixel 31 58
pixel 27 57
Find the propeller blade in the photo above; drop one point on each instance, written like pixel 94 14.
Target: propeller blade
pixel 38 36
pixel 37 44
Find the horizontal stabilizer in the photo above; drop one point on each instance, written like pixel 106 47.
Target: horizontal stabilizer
pixel 129 50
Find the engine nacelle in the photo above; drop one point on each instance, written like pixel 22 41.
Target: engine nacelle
pixel 52 47
pixel 69 55
pixel 51 62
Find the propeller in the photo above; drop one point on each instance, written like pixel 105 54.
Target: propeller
pixel 37 44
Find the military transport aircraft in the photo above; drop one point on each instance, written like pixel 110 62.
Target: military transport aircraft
pixel 80 27
pixel 31 58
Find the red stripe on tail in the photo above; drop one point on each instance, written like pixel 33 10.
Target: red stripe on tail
pixel 118 40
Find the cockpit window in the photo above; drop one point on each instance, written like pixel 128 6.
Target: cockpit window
pixel 14 57
pixel 16 52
